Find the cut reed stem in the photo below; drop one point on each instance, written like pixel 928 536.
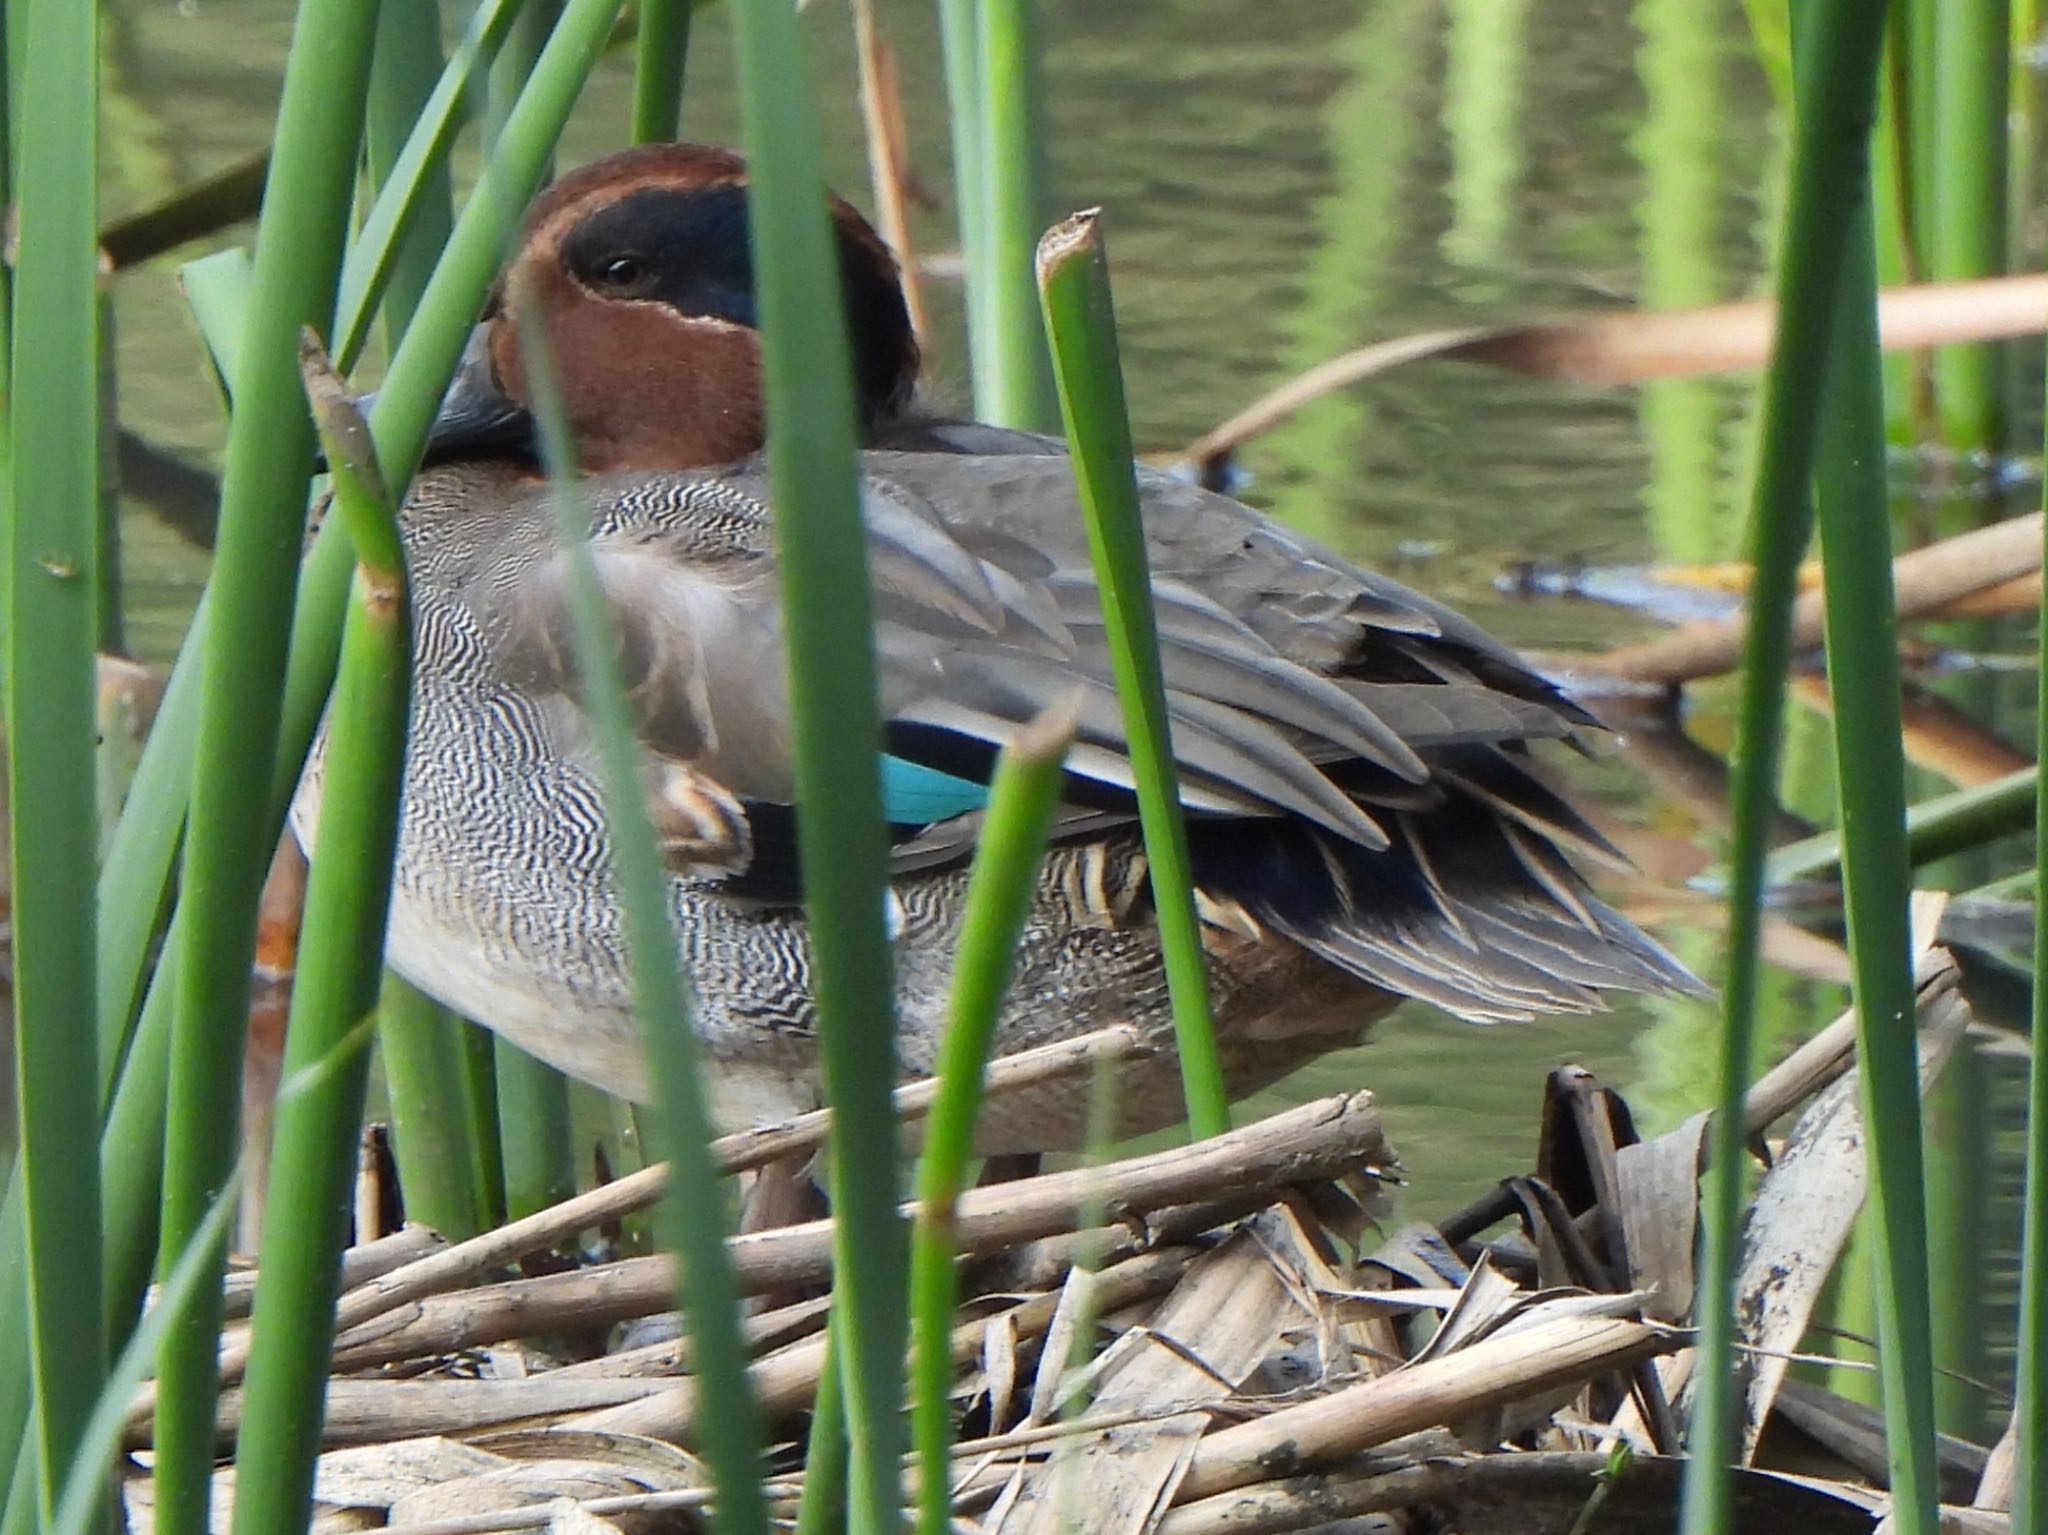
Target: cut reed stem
pixel 334 995
pixel 1073 280
pixel 1022 798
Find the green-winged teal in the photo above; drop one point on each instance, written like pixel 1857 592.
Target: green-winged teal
pixel 1354 758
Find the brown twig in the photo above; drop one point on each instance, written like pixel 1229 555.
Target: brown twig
pixel 1506 1367
pixel 881 108
pixel 787 1380
pixel 1319 1140
pixel 739 1152
pixel 1925 579
pixel 1630 347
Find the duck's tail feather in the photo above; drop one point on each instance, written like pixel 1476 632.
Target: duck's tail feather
pixel 1480 916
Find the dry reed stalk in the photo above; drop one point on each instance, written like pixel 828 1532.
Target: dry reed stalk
pixel 788 1379
pixel 742 1151
pixel 1925 579
pixel 881 110
pixel 1504 1368
pixel 1644 344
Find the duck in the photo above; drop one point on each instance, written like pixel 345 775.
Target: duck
pixel 1366 819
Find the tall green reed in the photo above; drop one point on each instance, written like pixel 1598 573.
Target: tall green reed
pixel 405 66
pixel 231 834
pixel 535 1125
pixel 78 1509
pixel 960 44
pixel 1834 104
pixel 334 996
pixel 1012 381
pixel 1863 680
pixel 1022 798
pixel 418 1041
pixel 410 186
pixel 828 623
pixel 993 99
pixel 53 463
pixel 661 48
pixel 1970 66
pixel 1073 276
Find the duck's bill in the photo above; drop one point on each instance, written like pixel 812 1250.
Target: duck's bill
pixel 476 419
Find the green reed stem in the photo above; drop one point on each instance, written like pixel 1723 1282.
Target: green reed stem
pixel 1914 41
pixel 477 1055
pixel 413 115
pixel 403 73
pixel 334 996
pixel 433 1138
pixel 21 1501
pixel 232 833
pixel 84 1486
pixel 822 1508
pixel 515 62
pixel 132 1156
pixel 414 179
pixel 2030 1352
pixel 1835 106
pixel 1012 379
pixel 1935 828
pixel 837 733
pixel 535 1137
pixel 1871 771
pixel 1968 234
pixel 960 39
pixel 1073 279
pixel 54 494
pixel 694 1221
pixel 1025 793
pixel 661 49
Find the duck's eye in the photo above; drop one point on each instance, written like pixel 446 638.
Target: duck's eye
pixel 624 272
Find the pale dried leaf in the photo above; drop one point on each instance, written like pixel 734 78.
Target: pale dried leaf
pixel 1660 1215
pixel 1418 1255
pixel 1488 1298
pixel 378 1475
pixel 1807 1204
pixel 999 1365
pixel 1223 1318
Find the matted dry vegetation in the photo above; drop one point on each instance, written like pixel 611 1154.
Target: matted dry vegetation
pixel 1214 1340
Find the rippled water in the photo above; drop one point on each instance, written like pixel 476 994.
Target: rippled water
pixel 1284 180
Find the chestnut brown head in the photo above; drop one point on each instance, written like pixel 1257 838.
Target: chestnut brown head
pixel 642 268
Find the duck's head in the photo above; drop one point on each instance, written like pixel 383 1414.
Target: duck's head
pixel 641 267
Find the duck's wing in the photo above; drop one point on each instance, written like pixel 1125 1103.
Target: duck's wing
pixel 1351 754
pixel 1355 756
